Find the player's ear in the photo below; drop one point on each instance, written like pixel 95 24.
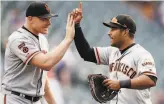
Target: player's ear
pixel 29 18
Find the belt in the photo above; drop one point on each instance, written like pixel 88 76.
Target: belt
pixel 34 99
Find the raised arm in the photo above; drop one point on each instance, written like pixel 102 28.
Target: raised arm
pixel 84 49
pixel 47 61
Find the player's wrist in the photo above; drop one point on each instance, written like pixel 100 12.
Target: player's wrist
pixel 68 39
pixel 125 83
pixel 77 25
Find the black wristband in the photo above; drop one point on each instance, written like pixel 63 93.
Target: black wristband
pixel 125 83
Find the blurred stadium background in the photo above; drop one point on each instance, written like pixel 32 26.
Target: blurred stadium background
pixel 68 79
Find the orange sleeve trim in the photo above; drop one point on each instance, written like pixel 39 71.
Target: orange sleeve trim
pixel 98 56
pixel 44 51
pixel 31 56
pixel 149 73
pixel 5 99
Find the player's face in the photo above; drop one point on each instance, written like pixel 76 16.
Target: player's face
pixel 41 25
pixel 116 37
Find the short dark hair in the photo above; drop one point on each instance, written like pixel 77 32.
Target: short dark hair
pixel 131 35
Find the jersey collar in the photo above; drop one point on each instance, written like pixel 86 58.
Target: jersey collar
pixel 122 51
pixel 30 32
pixel 27 33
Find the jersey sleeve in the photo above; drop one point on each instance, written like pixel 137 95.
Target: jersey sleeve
pixel 24 49
pixel 146 65
pixel 104 53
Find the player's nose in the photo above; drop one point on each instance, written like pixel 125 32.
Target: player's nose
pixel 109 34
pixel 49 22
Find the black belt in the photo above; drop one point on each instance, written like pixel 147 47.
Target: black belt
pixel 34 99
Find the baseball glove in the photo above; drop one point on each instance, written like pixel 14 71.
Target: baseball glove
pixel 100 93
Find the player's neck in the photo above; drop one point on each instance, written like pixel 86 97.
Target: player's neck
pixel 126 44
pixel 30 29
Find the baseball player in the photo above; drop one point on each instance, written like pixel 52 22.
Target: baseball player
pixel 131 67
pixel 27 59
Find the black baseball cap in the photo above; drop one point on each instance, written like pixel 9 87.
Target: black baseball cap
pixel 122 21
pixel 39 9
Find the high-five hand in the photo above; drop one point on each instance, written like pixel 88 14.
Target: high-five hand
pixel 70 30
pixel 77 13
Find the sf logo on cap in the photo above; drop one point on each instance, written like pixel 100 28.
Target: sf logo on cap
pixel 47 8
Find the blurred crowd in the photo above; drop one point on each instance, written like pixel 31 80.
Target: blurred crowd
pixel 68 79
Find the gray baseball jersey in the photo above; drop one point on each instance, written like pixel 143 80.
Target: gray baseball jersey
pixel 20 75
pixel 132 63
